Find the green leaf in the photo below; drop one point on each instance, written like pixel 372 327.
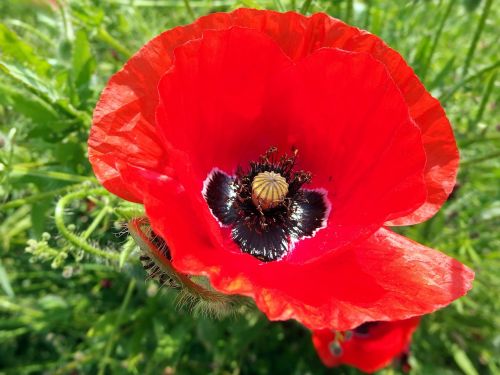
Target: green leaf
pixel 40 216
pixel 421 52
pixel 87 14
pixel 445 72
pixel 127 249
pixel 4 281
pixel 471 5
pixel 83 65
pixel 13 48
pixel 29 79
pixel 464 362
pixel 27 104
pixel 39 87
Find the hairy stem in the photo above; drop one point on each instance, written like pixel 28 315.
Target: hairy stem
pixel 72 237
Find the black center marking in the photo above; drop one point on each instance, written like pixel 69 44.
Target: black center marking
pixel 268 235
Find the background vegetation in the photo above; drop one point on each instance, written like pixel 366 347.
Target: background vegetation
pixel 68 307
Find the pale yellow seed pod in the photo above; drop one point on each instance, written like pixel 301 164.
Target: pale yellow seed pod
pixel 268 190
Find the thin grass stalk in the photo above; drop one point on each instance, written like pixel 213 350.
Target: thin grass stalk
pixel 477 35
pixel 484 101
pixel 471 78
pixel 437 36
pixel 112 337
pixel 279 5
pixel 348 11
pixel 305 6
pixel 189 9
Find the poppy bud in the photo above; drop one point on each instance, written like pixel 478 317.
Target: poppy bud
pixel 335 349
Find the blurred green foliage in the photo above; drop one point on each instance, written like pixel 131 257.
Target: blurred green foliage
pixel 69 307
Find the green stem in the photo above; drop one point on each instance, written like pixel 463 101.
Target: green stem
pixel 60 105
pixel 53 174
pixel 104 36
pixel 33 30
pixel 305 6
pixel 470 162
pixel 5 282
pixel 348 11
pixel 437 36
pixel 93 226
pixel 112 336
pixel 36 197
pixel 69 235
pixel 478 140
pixel 13 306
pixel 484 101
pixel 279 5
pixel 471 78
pixel 475 38
pixel 128 248
pixel 368 14
pixel 67 27
pixel 189 9
pixel 40 367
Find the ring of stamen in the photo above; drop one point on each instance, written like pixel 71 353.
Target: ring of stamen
pixel 266 206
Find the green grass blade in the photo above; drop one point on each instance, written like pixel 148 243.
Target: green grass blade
pixel 484 101
pixel 477 35
pixel 435 39
pixel 305 6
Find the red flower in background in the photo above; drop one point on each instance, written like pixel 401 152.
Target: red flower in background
pixel 369 347
pixel 180 129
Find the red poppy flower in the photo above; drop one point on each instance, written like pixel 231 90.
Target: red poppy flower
pixel 270 150
pixel 369 347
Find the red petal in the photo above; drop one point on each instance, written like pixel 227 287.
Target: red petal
pixel 212 99
pixel 123 127
pixel 384 342
pixel 387 277
pixel 124 115
pixel 123 121
pixel 187 218
pixel 352 128
pixel 233 94
pixel 367 280
pixel 300 36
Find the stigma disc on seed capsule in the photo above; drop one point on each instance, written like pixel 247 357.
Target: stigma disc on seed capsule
pixel 269 189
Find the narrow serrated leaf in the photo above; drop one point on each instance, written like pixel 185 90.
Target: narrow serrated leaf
pixel 463 361
pixel 4 281
pixel 13 48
